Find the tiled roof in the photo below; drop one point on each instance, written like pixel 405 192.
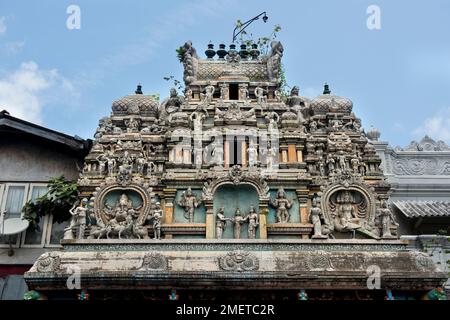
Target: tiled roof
pixel 413 209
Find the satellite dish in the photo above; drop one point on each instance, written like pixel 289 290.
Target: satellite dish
pixel 13 226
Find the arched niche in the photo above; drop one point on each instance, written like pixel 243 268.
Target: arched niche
pixel 139 196
pixel 359 199
pixel 232 196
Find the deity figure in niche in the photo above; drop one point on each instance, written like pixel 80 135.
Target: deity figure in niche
pixel 272 119
pixel 238 220
pixel 346 218
pixel 253 222
pixel 386 219
pixel 221 222
pixel 282 205
pixel 189 202
pixel 208 95
pixel 252 154
pixel 217 153
pixel 157 217
pixel 123 208
pixel 261 98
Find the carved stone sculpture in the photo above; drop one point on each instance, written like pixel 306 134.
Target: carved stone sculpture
pixel 208 95
pixel 282 204
pixel 221 222
pixel 189 202
pixel 315 215
pixel 157 217
pixel 79 214
pixel 170 105
pixel 386 220
pixel 238 261
pixel 253 222
pixel 261 98
pixel 252 154
pixel 238 220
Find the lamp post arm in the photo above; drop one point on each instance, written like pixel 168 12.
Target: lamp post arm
pixel 245 25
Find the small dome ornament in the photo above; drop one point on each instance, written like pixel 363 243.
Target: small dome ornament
pixel 373 134
pixel 328 102
pixel 138 89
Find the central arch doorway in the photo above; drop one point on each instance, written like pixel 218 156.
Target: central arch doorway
pixel 232 197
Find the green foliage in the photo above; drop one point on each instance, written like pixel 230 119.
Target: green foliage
pixel 176 83
pixel 180 53
pixel 58 200
pixel 284 87
pixel 262 42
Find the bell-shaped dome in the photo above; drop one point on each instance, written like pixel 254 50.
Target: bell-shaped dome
pixel 373 134
pixel 137 103
pixel 327 102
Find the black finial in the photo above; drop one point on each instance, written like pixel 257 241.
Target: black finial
pixel 326 89
pixel 139 89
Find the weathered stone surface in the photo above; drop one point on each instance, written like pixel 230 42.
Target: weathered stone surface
pixel 231 264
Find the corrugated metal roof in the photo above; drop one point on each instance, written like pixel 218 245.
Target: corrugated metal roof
pixel 413 209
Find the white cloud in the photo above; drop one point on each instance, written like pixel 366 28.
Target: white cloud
pixel 437 126
pixel 2 25
pixel 24 92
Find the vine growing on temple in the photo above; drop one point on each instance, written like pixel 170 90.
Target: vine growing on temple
pixel 57 201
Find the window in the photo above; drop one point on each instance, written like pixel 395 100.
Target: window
pixel 13 197
pixel 234 91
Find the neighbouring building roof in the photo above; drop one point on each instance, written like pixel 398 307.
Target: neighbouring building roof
pixel 8 122
pixel 417 209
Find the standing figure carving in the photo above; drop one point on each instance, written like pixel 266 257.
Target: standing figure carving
pixel 238 220
pixel 208 95
pixel 282 204
pixel 386 219
pixel 157 216
pixel 253 222
pixel 252 154
pixel 221 222
pixel 189 202
pixel 79 215
pixel 315 216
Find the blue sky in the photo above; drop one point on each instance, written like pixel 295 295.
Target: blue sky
pixel 398 77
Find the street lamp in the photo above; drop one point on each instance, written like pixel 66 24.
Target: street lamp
pixel 247 23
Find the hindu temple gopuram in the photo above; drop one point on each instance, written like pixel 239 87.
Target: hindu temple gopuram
pixel 233 189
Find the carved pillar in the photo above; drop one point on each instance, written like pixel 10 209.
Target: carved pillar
pixel 178 154
pixel 244 153
pixel 292 153
pixel 284 153
pixel 263 211
pixel 187 155
pixel 299 153
pixel 209 219
pixel 169 203
pixel 302 195
pixel 171 154
pixel 226 153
